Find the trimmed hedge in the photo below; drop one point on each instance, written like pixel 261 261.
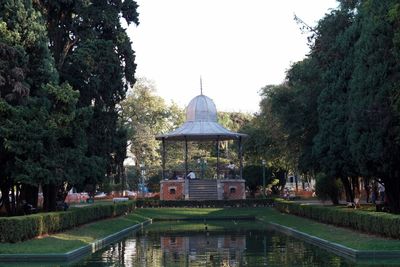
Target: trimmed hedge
pixel 380 223
pixel 15 229
pixel 147 203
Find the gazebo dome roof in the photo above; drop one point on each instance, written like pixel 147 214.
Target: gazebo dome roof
pixel 201 124
pixel 201 108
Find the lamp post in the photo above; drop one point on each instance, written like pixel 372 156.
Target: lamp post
pixel 263 164
pixel 142 174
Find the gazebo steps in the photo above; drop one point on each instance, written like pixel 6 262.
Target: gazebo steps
pixel 203 190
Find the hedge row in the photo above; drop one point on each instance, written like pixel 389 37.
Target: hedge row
pixel 380 223
pixel 147 203
pixel 15 229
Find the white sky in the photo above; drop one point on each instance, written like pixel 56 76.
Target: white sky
pixel 238 47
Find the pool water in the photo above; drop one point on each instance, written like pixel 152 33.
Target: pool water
pixel 158 245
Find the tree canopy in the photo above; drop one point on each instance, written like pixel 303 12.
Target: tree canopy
pixel 64 68
pixel 337 112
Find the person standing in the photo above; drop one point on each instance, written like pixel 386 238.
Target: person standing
pixel 381 189
pixel 231 167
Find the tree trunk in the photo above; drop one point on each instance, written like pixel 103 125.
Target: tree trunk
pixel 13 209
pixel 356 187
pixel 5 197
pixel 29 193
pixel 347 189
pixel 392 192
pixel 334 198
pixel 367 189
pixel 49 197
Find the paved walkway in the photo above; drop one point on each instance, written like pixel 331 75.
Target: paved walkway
pixel 324 203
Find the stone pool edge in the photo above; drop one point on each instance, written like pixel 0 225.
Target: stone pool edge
pixel 75 254
pixel 336 248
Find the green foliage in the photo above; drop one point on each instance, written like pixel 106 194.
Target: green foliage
pixel 253 174
pixel 153 183
pixel 16 229
pixel 37 113
pixel 93 53
pixel 370 222
pixel 327 187
pixel 234 121
pixel 374 94
pixel 294 105
pixel 60 86
pixel 145 115
pixel 132 177
pixel 337 111
pixel 266 137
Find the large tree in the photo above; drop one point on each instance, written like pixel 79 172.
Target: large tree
pixel 93 53
pixel 40 127
pixel 374 96
pixel 333 53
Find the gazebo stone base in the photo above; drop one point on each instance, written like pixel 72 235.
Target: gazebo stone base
pixel 221 189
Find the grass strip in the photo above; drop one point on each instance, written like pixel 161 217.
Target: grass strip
pixel 343 236
pixel 72 239
pixel 188 213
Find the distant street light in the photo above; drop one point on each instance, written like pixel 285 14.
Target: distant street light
pixel 263 163
pixel 142 174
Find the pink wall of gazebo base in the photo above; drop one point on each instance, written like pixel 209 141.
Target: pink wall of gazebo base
pixel 172 190
pixel 228 189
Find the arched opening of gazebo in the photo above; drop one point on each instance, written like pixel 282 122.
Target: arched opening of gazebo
pixel 202 125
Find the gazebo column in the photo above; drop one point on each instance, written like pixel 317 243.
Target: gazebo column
pixel 241 157
pixel 218 157
pixel 163 158
pixel 186 157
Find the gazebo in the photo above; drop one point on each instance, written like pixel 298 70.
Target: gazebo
pixel 202 125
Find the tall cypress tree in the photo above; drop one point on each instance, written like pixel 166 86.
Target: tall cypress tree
pixel 25 67
pixel 374 97
pixel 333 52
pixel 42 132
pixel 93 53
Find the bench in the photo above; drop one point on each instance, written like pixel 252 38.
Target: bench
pixel 120 199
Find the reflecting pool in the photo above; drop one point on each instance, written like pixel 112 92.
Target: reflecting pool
pixel 231 244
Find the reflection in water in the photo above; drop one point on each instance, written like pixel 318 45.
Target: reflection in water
pixel 203 248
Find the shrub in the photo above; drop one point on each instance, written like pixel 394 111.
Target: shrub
pixel 15 229
pixel 384 224
pixel 327 188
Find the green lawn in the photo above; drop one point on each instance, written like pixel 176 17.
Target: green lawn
pixel 343 236
pixel 179 213
pixel 72 239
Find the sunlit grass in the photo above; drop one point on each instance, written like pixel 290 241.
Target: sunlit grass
pixel 179 213
pixel 72 239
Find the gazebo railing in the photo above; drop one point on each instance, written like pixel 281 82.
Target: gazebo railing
pixel 208 174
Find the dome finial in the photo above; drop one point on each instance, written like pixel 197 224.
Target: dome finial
pixel 201 86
